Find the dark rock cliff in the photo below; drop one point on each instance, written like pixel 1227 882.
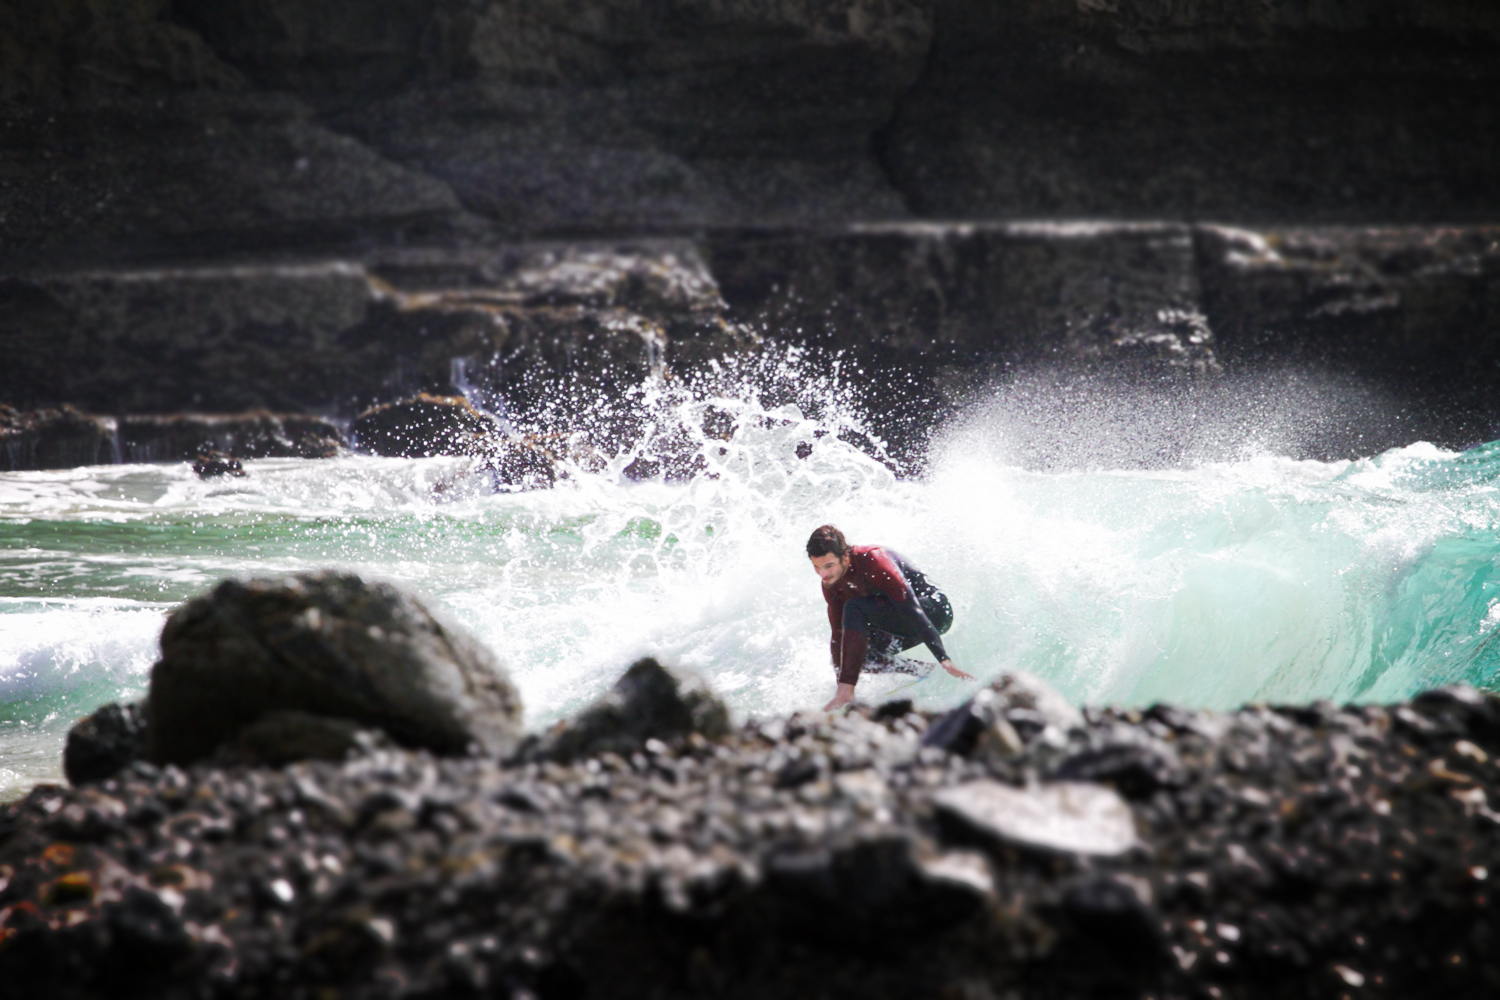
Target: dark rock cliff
pixel 932 314
pixel 157 126
pixel 297 205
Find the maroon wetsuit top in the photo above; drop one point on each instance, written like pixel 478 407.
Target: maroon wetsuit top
pixel 873 570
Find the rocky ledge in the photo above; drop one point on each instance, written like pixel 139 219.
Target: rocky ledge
pixel 64 438
pixel 561 336
pixel 1010 847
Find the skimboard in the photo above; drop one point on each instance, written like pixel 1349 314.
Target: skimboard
pixel 902 672
pixel 898 665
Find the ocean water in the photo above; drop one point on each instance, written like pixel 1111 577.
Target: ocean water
pixel 1209 578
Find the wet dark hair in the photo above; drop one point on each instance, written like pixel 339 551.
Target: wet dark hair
pixel 825 541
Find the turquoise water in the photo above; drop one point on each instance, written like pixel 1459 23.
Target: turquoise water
pixel 1213 583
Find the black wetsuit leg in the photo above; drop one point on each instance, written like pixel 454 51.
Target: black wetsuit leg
pixel 891 628
pixel 938 611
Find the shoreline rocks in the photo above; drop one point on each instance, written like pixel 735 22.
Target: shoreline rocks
pixel 216 464
pixel 1300 851
pixel 427 425
pixel 1387 325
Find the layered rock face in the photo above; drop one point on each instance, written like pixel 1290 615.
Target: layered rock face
pixel 141 127
pixel 258 122
pixel 341 335
pixel 320 207
pixel 931 313
pixel 1229 110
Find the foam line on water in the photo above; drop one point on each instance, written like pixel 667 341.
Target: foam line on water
pixel 59 659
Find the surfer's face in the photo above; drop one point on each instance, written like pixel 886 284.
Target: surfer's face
pixel 830 568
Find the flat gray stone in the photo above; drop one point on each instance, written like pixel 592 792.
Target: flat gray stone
pixel 1065 816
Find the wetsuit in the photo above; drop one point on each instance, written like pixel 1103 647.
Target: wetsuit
pixel 880 606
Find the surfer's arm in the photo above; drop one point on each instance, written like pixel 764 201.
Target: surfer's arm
pixel 948 666
pixel 835 625
pixel 844 694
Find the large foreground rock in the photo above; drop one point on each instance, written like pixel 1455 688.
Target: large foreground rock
pixel 326 644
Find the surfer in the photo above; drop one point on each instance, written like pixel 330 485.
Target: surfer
pixel 878 605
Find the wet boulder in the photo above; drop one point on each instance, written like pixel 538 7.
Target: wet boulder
pixel 650 702
pixel 216 464
pixel 426 425
pixel 325 644
pixel 521 464
pixel 104 743
pixel 312 437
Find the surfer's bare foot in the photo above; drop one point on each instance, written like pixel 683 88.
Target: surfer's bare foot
pixel 948 666
pixel 842 697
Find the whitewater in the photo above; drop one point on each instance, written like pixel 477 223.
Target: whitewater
pixel 1205 580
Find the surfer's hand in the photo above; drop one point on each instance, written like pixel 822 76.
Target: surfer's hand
pixel 842 697
pixel 948 666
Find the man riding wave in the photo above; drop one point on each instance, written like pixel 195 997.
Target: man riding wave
pixel 878 605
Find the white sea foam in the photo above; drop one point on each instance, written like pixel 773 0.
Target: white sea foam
pixel 1232 577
